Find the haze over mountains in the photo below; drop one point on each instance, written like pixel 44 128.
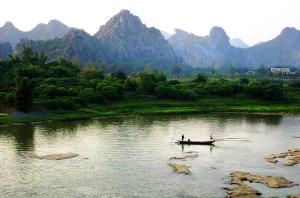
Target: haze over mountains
pixel 236 42
pixel 125 40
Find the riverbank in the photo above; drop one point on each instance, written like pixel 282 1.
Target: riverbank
pixel 155 106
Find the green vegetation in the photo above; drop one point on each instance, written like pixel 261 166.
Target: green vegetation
pixel 66 91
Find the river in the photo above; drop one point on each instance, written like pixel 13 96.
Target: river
pixel 129 156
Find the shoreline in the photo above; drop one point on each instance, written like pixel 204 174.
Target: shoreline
pixel 151 108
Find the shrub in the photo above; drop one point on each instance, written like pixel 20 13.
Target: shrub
pixel 60 103
pixel 200 78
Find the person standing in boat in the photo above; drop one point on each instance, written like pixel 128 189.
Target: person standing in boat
pixel 182 137
pixel 211 137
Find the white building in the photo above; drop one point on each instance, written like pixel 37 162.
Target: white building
pixel 280 70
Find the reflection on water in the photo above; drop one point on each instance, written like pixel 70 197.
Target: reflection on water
pixel 128 156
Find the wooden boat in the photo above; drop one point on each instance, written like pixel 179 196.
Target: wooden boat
pixel 211 142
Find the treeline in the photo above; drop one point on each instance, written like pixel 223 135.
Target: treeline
pixel 30 81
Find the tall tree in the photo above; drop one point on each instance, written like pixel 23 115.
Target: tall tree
pixel 23 93
pixel 176 70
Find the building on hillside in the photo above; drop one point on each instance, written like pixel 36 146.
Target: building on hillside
pixel 281 70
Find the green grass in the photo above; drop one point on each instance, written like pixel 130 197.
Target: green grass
pixel 155 106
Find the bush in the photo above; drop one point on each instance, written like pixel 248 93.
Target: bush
pixel 266 89
pixel 244 81
pixel 89 95
pixel 146 83
pixel 3 97
pixel 173 82
pixel 200 78
pixel 130 85
pixel 119 75
pixel 60 103
pixel 163 90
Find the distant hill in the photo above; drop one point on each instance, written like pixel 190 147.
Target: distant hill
pixel 123 40
pixel 199 51
pixel 215 49
pixel 282 50
pixel 236 42
pixel 5 50
pixel 9 33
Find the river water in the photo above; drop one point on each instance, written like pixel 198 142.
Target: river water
pixel 128 156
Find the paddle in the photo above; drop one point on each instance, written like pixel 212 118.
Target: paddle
pixel 234 139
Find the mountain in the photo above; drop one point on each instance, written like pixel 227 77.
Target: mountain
pixel 9 33
pixel 216 49
pixel 127 40
pixel 124 40
pixel 236 42
pixel 282 50
pixel 76 45
pixel 5 50
pixel 199 51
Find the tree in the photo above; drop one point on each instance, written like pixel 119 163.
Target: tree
pixel 231 70
pixel 146 83
pixel 42 59
pixel 119 75
pixel 130 85
pixel 28 56
pixel 200 78
pixel 90 72
pixel 176 70
pixel 23 93
pixel 103 68
pixel 244 81
pixel 213 71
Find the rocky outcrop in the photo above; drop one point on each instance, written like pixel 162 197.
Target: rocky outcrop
pixel 243 190
pixel 293 157
pixel 294 196
pixel 5 50
pixel 77 45
pixel 180 168
pixel 206 51
pixel 9 33
pixel 127 40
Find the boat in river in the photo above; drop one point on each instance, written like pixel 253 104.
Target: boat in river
pixel 211 142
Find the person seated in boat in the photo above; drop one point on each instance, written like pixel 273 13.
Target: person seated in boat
pixel 182 137
pixel 211 137
pixel 189 140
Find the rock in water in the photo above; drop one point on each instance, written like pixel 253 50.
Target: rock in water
pixel 58 156
pixel 244 190
pixel 270 181
pixel 180 168
pixel 294 196
pixel 293 154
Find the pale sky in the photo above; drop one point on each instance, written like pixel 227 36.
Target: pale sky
pixel 249 20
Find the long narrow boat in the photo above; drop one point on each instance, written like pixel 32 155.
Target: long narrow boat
pixel 196 142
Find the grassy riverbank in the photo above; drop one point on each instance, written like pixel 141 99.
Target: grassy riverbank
pixel 155 106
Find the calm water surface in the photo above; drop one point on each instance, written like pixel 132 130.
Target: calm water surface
pixel 128 156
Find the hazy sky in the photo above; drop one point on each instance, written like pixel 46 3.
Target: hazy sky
pixel 250 20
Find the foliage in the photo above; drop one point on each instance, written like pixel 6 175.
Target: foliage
pixel 23 93
pixel 200 78
pixel 31 81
